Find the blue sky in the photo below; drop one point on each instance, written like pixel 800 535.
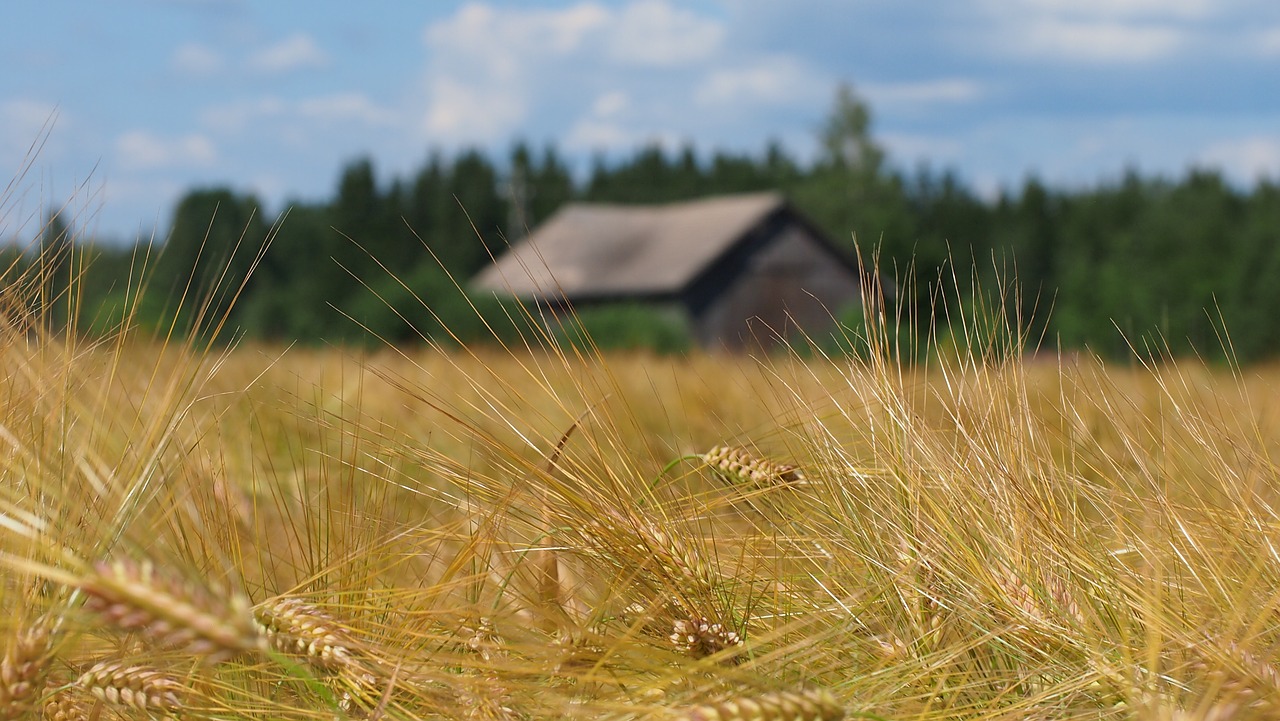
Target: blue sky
pixel 149 98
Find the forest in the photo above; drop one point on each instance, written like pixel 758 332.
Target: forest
pixel 1133 265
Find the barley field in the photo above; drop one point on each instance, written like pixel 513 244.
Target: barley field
pixel 538 533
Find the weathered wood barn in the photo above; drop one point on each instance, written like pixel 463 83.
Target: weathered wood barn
pixel 743 270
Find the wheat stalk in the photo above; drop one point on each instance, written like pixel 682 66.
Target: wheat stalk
pixel 132 686
pixel 23 671
pixel 807 705
pixel 134 596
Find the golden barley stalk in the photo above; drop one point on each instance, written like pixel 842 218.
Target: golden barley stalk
pixel 807 705
pixel 23 671
pixel 133 686
pixel 134 596
pixel 292 626
pixel 739 465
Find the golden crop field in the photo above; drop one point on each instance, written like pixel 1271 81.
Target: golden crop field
pixel 537 534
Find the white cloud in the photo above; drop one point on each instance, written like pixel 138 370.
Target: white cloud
pixel 771 81
pixel 1249 158
pixel 139 149
pixel 611 103
pixel 237 115
pixel 466 113
pixel 296 52
pixel 922 148
pixel 929 92
pixel 590 134
pixel 196 59
pixel 341 107
pixel 349 107
pixel 1096 31
pixel 483 61
pixel 498 44
pixel 1268 42
pixel 489 67
pixel 29 127
pixel 1100 40
pixel 654 33
pixel 26 118
pixel 1118 9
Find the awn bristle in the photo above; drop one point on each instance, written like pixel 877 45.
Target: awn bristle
pixel 133 686
pixel 740 466
pixel 134 596
pixel 808 705
pixel 23 671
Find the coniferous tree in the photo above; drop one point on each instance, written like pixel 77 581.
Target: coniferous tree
pixel 55 267
pixel 204 267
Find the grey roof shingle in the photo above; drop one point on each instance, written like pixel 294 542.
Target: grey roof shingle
pixel 591 250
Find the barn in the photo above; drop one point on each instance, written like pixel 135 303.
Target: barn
pixel 741 270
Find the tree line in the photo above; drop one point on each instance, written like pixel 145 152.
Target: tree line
pixel 1131 264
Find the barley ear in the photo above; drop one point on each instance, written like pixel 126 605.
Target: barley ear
pixel 67 704
pixel 701 637
pixel 294 627
pixel 740 466
pixel 808 705
pixel 132 686
pixel 203 622
pixel 23 671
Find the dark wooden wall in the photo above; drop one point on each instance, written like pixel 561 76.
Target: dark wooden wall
pixel 789 281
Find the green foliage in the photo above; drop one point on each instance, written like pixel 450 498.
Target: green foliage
pixel 427 306
pixel 55 268
pixel 856 335
pixel 1159 265
pixel 205 266
pixel 846 135
pixel 625 326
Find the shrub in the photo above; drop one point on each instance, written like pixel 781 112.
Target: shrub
pixel 625 326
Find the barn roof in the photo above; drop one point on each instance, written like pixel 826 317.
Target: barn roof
pixel 589 250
